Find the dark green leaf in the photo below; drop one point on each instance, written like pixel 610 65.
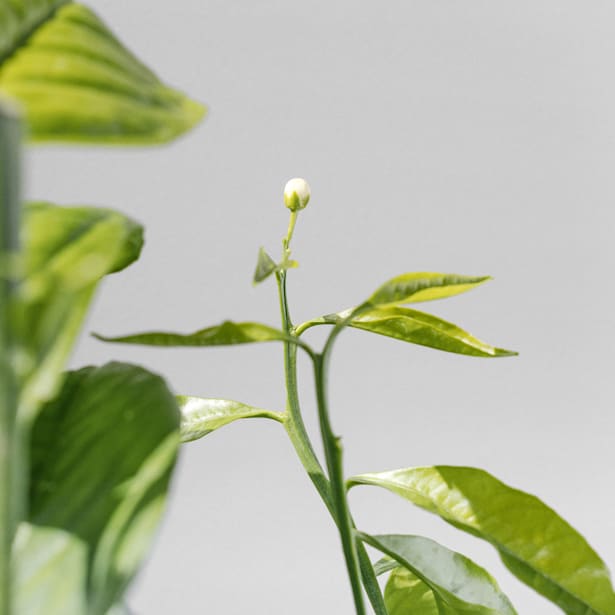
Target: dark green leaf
pixel 201 416
pixel 455 580
pixel 66 253
pixel 423 286
pixel 77 82
pixel 420 328
pixel 537 545
pixel 406 594
pixel 226 334
pixel 265 266
pixel 101 457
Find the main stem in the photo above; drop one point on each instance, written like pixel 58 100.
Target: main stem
pixel 11 492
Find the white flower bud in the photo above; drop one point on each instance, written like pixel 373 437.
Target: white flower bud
pixel 296 194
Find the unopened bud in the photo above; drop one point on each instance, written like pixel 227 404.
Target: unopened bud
pixel 296 194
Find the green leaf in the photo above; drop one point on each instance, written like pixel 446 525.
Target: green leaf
pixel 77 82
pixel 66 251
pixel 265 266
pixel 456 581
pixel 423 286
pixel 420 328
pixel 406 594
pixel 537 545
pixel 227 334
pixel 101 456
pixel 201 416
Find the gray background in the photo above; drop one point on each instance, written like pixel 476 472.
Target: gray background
pixel 467 136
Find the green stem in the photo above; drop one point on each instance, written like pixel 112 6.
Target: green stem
pixel 333 454
pixel 12 491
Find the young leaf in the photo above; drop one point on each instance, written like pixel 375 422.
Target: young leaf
pixel 456 581
pixel 227 334
pixel 101 457
pixel 66 251
pixel 406 594
pixel 536 545
pixel 420 328
pixel 423 286
pixel 265 266
pixel 200 416
pixel 77 82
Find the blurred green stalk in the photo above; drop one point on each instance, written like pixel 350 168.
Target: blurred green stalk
pixel 11 492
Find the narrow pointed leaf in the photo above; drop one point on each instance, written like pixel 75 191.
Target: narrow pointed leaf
pixel 456 581
pixel 535 543
pixel 227 334
pixel 200 416
pixel 423 286
pixel 101 457
pixel 66 251
pixel 265 266
pixel 420 328
pixel 77 82
pixel 406 594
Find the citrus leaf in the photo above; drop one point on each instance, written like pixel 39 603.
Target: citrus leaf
pixel 77 82
pixel 265 266
pixel 200 416
pixel 456 581
pixel 420 328
pixel 227 334
pixel 423 286
pixel 101 455
pixel 535 543
pixel 66 251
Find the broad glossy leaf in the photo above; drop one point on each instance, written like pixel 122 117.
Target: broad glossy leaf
pixel 265 266
pixel 456 581
pixel 420 328
pixel 77 82
pixel 66 251
pixel 227 334
pixel 423 286
pixel 535 543
pixel 406 594
pixel 200 416
pixel 101 458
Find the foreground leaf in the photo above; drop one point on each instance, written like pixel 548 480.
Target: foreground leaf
pixel 536 545
pixel 420 328
pixel 201 416
pixel 77 82
pixel 456 581
pixel 101 458
pixel 406 594
pixel 227 334
pixel 423 286
pixel 66 253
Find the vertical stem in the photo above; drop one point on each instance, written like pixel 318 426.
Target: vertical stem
pixel 333 454
pixel 11 491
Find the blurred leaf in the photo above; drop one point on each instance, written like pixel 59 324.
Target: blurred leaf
pixel 384 565
pixel 227 334
pixel 456 581
pixel 423 286
pixel 201 416
pixel 265 266
pixel 77 82
pixel 66 253
pixel 406 594
pixel 102 454
pixel 420 328
pixel 537 545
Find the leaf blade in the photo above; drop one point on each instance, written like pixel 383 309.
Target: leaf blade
pixel 542 550
pixel 200 416
pixel 406 594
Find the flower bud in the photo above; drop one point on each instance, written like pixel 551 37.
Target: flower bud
pixel 296 194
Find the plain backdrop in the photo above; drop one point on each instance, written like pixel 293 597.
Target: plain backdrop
pixel 473 136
